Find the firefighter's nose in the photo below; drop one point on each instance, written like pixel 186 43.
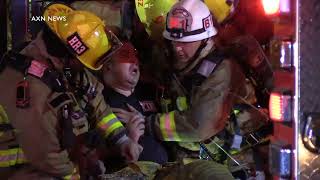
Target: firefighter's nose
pixel 178 48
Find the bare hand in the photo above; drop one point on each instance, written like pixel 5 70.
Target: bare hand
pixel 135 127
pixel 130 150
pixel 123 115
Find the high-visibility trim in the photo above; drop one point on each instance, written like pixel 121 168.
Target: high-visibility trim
pixel 108 124
pixel 112 128
pixel 3 116
pixel 236 111
pixel 182 104
pixel 168 127
pixel 74 176
pixel 106 119
pixel 12 157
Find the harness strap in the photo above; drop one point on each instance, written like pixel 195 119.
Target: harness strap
pixel 23 64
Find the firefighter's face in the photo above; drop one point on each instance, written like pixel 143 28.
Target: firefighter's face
pixel 124 75
pixel 184 52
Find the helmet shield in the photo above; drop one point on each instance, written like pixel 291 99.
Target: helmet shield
pixel 179 22
pixel 189 21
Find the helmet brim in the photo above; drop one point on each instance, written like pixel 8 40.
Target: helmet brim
pixel 191 38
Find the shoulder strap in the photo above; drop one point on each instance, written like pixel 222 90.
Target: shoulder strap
pixel 23 64
pixel 209 63
pixel 15 60
pixel 207 67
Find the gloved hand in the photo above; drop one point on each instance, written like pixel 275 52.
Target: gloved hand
pixel 89 163
pixel 250 119
pixel 130 150
pixel 93 139
pixel 58 163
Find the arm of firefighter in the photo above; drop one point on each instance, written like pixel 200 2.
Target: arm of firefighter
pixel 207 114
pixel 110 127
pixel 107 122
pixel 37 133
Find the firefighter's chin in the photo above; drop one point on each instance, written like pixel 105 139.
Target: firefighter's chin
pixel 180 64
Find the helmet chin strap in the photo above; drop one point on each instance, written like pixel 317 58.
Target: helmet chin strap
pixel 204 49
pixel 67 69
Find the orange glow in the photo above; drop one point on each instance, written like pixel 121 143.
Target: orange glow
pixel 271 6
pixel 275 106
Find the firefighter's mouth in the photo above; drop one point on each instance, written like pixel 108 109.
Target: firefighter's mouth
pixel 180 54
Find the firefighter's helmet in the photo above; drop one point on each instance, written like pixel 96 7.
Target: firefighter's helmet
pixel 222 10
pixel 152 13
pixel 188 21
pixel 82 32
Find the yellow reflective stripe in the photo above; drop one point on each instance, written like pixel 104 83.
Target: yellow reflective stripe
pixel 182 104
pixel 108 124
pixel 3 116
pixel 106 119
pixel 168 127
pixel 236 111
pixel 113 127
pixel 11 157
pixel 73 176
pixel 173 127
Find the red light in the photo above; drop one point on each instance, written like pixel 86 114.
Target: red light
pixel 271 6
pixel 275 106
pixel 280 106
pixel 177 22
pixel 174 22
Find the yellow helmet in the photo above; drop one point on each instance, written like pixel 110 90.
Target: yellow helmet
pixel 222 9
pixel 153 13
pixel 82 32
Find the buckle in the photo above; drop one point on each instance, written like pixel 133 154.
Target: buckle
pixel 79 122
pixel 253 139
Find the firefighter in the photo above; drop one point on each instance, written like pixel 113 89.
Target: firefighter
pixel 241 37
pixel 122 91
pixel 50 100
pixel 204 84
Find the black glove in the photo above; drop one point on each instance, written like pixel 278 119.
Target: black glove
pixel 94 139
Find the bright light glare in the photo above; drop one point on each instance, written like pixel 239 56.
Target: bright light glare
pixel 271 6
